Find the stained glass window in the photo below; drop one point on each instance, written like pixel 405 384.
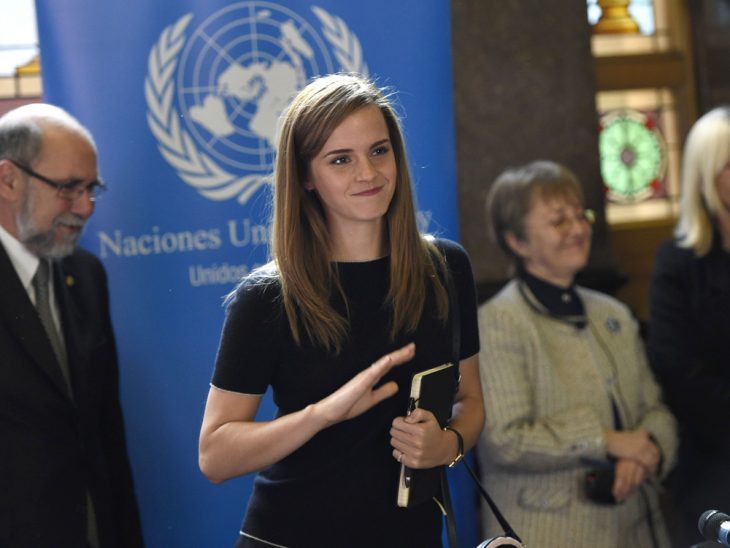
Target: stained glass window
pixel 639 138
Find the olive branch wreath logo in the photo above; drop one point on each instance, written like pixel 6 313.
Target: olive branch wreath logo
pixel 177 146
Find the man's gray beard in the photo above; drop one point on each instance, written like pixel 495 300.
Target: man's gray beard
pixel 40 243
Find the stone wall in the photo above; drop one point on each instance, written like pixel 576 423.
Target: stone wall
pixel 524 90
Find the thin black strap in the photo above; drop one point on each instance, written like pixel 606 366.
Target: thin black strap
pixel 454 315
pixel 455 324
pixel 449 509
pixel 456 351
pixel 508 531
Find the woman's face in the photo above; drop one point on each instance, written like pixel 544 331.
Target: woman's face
pixel 355 172
pixel 557 240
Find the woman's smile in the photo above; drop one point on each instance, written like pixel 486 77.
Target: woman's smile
pixel 369 192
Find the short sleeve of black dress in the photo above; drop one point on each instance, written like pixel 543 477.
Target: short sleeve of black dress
pixel 460 268
pixel 247 349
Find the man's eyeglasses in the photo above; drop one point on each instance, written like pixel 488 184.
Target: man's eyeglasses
pixel 71 190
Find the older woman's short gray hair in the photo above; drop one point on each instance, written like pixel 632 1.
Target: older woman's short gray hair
pixel 513 193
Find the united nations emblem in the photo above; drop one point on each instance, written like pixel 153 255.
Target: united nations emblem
pixel 214 95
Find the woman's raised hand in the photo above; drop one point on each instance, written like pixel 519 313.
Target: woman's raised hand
pixel 358 395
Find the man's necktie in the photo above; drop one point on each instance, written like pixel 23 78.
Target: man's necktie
pixel 43 305
pixel 41 283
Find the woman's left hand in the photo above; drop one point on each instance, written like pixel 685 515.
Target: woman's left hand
pixel 419 442
pixel 630 474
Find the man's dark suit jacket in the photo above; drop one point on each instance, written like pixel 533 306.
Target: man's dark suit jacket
pixel 53 448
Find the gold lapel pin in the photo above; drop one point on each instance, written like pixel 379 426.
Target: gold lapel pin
pixel 70 281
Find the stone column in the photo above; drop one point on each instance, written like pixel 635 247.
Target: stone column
pixel 524 90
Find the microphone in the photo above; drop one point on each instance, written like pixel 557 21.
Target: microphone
pixel 715 527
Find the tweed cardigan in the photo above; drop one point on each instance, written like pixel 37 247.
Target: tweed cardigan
pixel 546 387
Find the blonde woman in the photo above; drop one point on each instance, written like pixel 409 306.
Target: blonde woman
pixel 350 307
pixel 689 335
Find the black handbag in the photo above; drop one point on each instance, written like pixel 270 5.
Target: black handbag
pixel 509 538
pixel 599 485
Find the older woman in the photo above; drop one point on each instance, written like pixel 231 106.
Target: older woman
pixel 689 342
pixel 570 403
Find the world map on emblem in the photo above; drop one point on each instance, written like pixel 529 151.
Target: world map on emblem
pixel 237 73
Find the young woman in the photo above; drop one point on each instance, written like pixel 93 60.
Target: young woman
pixel 351 306
pixel 569 396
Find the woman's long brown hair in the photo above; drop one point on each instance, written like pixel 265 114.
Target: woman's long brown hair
pixel 300 244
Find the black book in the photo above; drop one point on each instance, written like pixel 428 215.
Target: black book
pixel 432 390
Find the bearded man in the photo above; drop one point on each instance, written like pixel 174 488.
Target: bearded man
pixel 65 478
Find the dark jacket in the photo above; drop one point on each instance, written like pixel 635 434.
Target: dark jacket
pixel 54 448
pixel 689 340
pixel 689 350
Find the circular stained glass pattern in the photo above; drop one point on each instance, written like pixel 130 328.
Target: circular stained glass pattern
pixel 633 155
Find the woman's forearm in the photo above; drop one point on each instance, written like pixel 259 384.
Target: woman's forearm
pixel 239 447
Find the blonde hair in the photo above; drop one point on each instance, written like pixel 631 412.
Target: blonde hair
pixel 300 244
pixel 706 152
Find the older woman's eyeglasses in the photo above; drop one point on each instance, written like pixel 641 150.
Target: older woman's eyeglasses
pixel 564 223
pixel 71 190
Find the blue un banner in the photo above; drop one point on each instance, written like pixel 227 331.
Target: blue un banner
pixel 183 98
